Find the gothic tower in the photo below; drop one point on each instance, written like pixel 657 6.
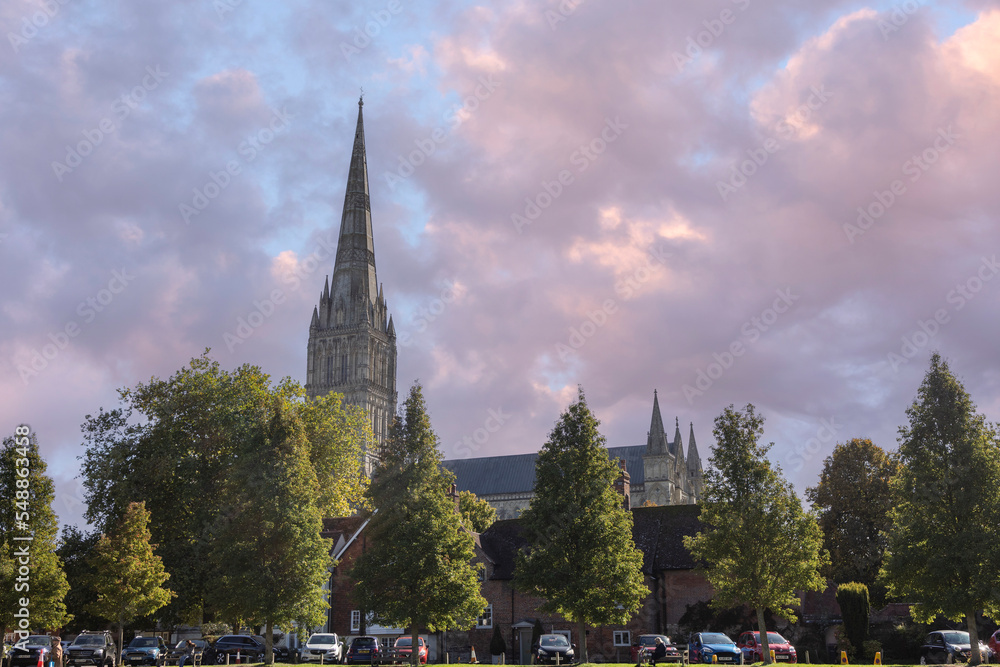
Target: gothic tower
pixel 352 341
pixel 669 479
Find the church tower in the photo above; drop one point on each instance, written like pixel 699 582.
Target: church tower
pixel 352 341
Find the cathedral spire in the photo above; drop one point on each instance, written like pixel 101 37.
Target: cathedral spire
pixel 678 443
pixel 656 439
pixel 693 460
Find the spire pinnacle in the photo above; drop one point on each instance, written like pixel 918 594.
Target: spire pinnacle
pixel 656 439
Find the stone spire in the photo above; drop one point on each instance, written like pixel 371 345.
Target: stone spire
pixel 656 439
pixel 678 445
pixel 694 469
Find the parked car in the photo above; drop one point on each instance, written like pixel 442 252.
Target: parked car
pixel 192 655
pixel 145 651
pixel 363 650
pixel 994 644
pixel 239 648
pixel 749 643
pixel 644 645
pixel 550 646
pixel 947 646
pixel 93 648
pixel 28 650
pixel 325 647
pixel 401 651
pixel 703 645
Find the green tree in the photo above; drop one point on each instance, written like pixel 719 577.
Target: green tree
pixel 478 514
pixel 175 443
pixel 852 500
pixel 581 558
pixel 271 558
pixel 758 544
pixel 75 550
pixel 128 576
pixel 854 609
pixel 417 571
pixel 30 568
pixel 944 542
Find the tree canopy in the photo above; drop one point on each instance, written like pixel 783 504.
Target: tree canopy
pixel 581 558
pixel 478 514
pixel 853 499
pixel 758 545
pixel 418 570
pixel 944 543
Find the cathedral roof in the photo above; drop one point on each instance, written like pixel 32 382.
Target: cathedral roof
pixel 493 475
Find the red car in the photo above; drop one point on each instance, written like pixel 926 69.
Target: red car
pixel 403 646
pixel 749 644
pixel 646 643
pixel 994 645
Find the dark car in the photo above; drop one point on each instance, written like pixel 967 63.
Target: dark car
pixel 93 648
pixel 363 650
pixel 192 655
pixel 947 646
pixel 145 651
pixel 551 647
pixel 28 650
pixel 749 644
pixel 239 648
pixel 704 645
pixel 644 645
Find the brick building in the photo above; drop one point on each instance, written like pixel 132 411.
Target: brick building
pixel 667 566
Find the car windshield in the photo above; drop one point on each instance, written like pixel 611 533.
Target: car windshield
pixel 956 637
pixel 322 639
pixel 408 641
pixel 364 642
pixel 89 640
pixel 35 640
pixel 554 640
pixel 649 640
pixel 715 638
pixel 143 642
pixel 772 638
pixel 184 642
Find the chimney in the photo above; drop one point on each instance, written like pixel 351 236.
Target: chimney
pixel 453 494
pixel 622 485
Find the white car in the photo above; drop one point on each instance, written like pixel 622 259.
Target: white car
pixel 326 648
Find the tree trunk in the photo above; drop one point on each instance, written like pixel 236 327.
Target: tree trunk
pixel 116 660
pixel 269 642
pixel 974 657
pixel 765 647
pixel 581 656
pixel 414 646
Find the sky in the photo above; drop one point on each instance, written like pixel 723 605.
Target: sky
pixel 727 201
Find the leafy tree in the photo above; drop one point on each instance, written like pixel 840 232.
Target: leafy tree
pixel 175 443
pixel 478 514
pixel 497 645
pixel 417 571
pixel 127 576
pixel 29 568
pixel 854 609
pixel 75 550
pixel 944 542
pixel 581 558
pixel 271 558
pixel 853 499
pixel 758 544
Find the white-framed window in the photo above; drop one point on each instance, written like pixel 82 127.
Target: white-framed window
pixel 485 619
pixel 356 620
pixel 623 638
pixel 387 642
pixel 481 573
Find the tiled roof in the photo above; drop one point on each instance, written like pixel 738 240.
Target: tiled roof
pixel 657 531
pixel 494 475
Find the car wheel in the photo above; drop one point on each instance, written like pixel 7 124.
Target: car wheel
pixel 220 659
pixel 923 660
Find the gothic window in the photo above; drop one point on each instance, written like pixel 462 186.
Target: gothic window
pixel 343 368
pixel 329 369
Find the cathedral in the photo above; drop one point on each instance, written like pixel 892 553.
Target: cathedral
pixel 352 341
pixel 352 350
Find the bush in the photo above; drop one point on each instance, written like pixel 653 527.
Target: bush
pixel 497 645
pixel 854 609
pixel 870 648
